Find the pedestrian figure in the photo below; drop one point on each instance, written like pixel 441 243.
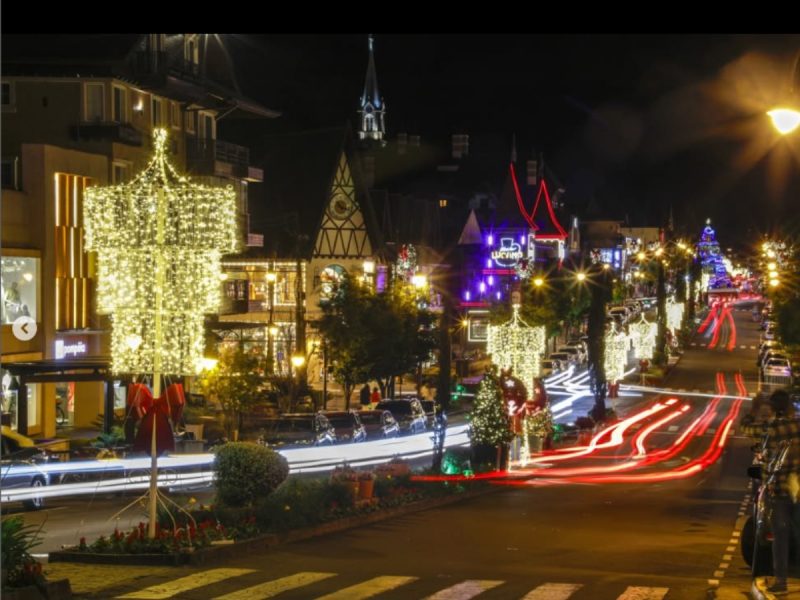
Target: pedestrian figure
pixel 376 396
pixel 781 426
pixel 364 396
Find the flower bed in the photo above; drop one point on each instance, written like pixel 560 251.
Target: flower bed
pixel 298 509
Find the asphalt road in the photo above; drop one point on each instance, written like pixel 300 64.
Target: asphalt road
pixel 640 540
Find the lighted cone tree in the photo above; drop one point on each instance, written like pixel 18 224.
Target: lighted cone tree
pixel 159 239
pixel 518 346
pixel 643 336
pixel 489 422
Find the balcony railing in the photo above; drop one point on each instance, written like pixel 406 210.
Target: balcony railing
pixel 214 157
pixel 107 131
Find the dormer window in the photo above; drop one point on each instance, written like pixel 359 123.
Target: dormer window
pixel 191 48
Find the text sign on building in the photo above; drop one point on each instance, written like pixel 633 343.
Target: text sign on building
pixel 508 254
pixel 64 350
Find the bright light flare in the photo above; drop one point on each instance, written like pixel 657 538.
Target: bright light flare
pixel 785 120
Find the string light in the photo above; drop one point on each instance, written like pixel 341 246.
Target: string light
pixel 159 235
pixel 643 337
pixel 674 314
pixel 616 354
pixel 517 345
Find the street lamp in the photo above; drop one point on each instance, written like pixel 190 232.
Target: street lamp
pixel 787 118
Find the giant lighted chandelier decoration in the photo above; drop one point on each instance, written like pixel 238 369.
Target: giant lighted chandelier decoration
pixel 643 335
pixel 158 240
pixel 616 356
pixel 674 314
pixel 517 345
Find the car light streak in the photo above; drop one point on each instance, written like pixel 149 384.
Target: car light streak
pixel 732 340
pixel 712 314
pixel 640 438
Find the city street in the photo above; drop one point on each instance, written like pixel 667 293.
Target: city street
pixel 674 539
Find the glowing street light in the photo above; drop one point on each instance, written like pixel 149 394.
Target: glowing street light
pixel 298 360
pixel 419 281
pixel 785 120
pixel 538 282
pixel 580 276
pixel 774 283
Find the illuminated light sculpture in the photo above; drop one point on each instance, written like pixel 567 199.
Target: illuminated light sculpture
pixel 616 354
pixel 158 240
pixel 643 336
pixel 674 314
pixel 517 345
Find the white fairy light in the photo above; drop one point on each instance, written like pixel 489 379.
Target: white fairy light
pixel 517 345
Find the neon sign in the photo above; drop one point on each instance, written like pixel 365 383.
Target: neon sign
pixel 63 350
pixel 508 254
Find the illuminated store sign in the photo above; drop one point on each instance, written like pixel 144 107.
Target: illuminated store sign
pixel 63 350
pixel 508 254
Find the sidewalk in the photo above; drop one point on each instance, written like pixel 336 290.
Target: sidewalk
pixel 760 585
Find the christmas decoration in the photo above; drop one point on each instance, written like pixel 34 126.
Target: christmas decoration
pixel 158 240
pixel 712 259
pixel 643 336
pixel 518 346
pixel 616 354
pixel 406 266
pixel 489 418
pixel 674 314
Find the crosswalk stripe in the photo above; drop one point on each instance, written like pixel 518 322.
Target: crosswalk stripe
pixel 184 584
pixel 369 588
pixel 465 589
pixel 272 588
pixel 643 593
pixel 552 591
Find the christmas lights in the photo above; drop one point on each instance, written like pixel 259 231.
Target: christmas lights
pixel 674 314
pixel 616 354
pixel 158 240
pixel 488 419
pixel 643 336
pixel 517 345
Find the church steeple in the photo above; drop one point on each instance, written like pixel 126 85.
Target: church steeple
pixel 372 106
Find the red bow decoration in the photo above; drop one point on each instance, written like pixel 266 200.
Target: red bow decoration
pixel 156 413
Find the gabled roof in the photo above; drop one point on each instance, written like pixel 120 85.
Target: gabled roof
pixel 299 170
pixel 471 234
pixel 544 217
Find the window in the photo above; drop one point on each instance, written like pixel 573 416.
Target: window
pixel 442 203
pixel 19 280
pixel 190 118
pixel 95 95
pixel 207 126
pixel 8 99
pixel 175 115
pixel 156 112
pixel 10 387
pixel 191 49
pixel 119 173
pixel 10 173
pixel 119 107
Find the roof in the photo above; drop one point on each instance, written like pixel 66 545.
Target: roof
pixel 299 169
pixel 471 234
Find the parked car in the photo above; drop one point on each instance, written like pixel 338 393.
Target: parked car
pixel 576 352
pixel 347 425
pixel 620 312
pixel 549 367
pixel 19 465
pixel 777 367
pixel 299 430
pixel 767 346
pixel 379 424
pixel 769 334
pixel 565 359
pixel 770 354
pixel 408 413
pixel 431 408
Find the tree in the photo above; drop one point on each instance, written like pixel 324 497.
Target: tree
pixel 660 354
pixel 345 326
pixel 235 383
pixel 489 422
pixel 600 294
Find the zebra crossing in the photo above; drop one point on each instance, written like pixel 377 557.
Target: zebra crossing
pixel 190 586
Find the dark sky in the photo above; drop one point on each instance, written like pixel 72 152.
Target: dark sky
pixel 636 122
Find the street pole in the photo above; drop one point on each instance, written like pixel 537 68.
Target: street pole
pixel 271 277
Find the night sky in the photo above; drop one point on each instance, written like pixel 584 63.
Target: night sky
pixel 634 123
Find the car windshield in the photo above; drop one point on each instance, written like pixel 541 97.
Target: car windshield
pixel 371 419
pixel 341 422
pixel 285 425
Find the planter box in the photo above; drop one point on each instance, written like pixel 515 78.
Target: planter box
pixel 53 590
pixel 267 540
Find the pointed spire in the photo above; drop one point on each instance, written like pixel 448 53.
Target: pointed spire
pixel 372 107
pixel 471 234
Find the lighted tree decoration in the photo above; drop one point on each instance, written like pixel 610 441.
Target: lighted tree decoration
pixel 406 265
pixel 643 335
pixel 489 423
pixel 518 346
pixel 616 354
pixel 674 314
pixel 159 239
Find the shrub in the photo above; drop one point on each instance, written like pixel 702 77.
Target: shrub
pixel 18 566
pixel 246 472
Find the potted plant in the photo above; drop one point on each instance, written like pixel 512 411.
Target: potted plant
pixel 538 426
pixel 347 476
pixel 366 485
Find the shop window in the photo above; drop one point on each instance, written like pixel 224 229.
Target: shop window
pixel 10 400
pixel 19 280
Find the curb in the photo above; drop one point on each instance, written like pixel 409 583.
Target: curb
pixel 758 591
pixel 264 541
